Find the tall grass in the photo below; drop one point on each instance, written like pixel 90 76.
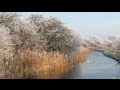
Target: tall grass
pixel 80 55
pixel 39 65
pixel 51 65
pixel 42 65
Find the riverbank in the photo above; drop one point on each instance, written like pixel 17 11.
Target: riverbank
pixel 99 50
pixel 113 55
pixel 41 65
pixel 97 66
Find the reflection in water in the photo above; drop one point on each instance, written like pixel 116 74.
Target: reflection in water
pixel 97 66
pixel 73 72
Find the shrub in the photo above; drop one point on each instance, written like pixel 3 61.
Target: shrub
pixel 80 55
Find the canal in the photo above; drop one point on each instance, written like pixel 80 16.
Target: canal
pixel 97 66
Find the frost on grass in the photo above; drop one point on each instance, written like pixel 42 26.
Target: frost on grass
pixel 5 49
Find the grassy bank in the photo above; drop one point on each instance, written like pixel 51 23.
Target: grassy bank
pixel 112 54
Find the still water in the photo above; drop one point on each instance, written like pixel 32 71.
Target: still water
pixel 97 66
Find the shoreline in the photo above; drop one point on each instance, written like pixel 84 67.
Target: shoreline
pixel 113 57
pixel 108 55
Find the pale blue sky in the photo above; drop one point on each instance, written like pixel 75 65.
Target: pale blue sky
pixel 101 24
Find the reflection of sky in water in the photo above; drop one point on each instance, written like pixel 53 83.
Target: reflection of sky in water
pixel 97 67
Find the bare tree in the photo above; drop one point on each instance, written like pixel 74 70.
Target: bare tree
pixel 58 37
pixel 8 19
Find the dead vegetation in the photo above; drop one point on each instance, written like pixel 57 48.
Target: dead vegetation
pixel 37 48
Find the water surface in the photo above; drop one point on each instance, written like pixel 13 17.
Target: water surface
pixel 97 66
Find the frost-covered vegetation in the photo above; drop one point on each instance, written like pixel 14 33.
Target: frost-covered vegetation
pixel 92 42
pixel 112 47
pixel 36 47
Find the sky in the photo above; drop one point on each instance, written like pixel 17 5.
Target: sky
pixel 101 24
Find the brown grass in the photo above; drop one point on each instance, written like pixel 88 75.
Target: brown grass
pixel 47 65
pixel 50 65
pixel 80 55
pixel 40 65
